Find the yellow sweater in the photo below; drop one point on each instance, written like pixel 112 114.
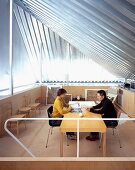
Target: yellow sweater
pixel 60 107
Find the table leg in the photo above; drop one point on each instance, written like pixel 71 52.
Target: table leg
pixel 28 114
pixel 39 109
pixel 25 122
pixel 104 144
pixel 17 128
pixel 10 124
pixel 35 111
pixel 61 144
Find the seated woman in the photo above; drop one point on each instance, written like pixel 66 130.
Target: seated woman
pixel 60 108
pixel 106 109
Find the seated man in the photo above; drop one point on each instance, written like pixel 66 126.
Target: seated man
pixel 60 108
pixel 106 109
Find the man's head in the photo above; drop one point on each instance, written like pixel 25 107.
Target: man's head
pixel 101 95
pixel 61 93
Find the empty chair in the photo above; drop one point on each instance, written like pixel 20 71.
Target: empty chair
pixel 6 109
pixel 25 109
pixel 34 106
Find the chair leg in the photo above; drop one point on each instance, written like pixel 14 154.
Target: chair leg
pixel 48 137
pixel 113 130
pixel 17 128
pixel 39 110
pixel 118 137
pixel 67 140
pixel 35 111
pixel 51 130
pixel 24 123
pixel 100 142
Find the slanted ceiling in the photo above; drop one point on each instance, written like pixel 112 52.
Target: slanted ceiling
pixel 103 30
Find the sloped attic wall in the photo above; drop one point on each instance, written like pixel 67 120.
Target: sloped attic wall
pixel 60 61
pixel 103 30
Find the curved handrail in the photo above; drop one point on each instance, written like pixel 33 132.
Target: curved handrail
pixel 77 119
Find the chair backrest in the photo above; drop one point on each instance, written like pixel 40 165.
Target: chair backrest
pixel 26 100
pixel 49 112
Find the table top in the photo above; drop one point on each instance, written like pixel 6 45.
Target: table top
pixel 24 109
pixel 33 105
pixel 85 125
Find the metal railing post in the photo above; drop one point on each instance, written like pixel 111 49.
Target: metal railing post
pixel 11 45
pixel 78 149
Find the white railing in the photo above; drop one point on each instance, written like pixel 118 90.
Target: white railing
pixel 43 119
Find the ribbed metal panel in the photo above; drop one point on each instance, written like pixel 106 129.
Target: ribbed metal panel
pixel 103 30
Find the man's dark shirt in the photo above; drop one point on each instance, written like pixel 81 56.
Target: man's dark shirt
pixel 106 108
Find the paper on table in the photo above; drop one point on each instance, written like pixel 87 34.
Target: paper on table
pixel 75 105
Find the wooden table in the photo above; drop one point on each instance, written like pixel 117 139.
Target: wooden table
pixel 25 110
pixel 85 126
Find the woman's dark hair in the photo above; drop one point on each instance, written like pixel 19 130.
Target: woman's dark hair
pixel 61 91
pixel 102 93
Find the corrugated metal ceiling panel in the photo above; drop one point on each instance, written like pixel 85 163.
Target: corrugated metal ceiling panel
pixel 103 30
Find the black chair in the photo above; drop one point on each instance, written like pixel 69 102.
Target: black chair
pixel 114 126
pixel 52 123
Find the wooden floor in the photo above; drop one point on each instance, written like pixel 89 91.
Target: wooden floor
pixel 34 137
